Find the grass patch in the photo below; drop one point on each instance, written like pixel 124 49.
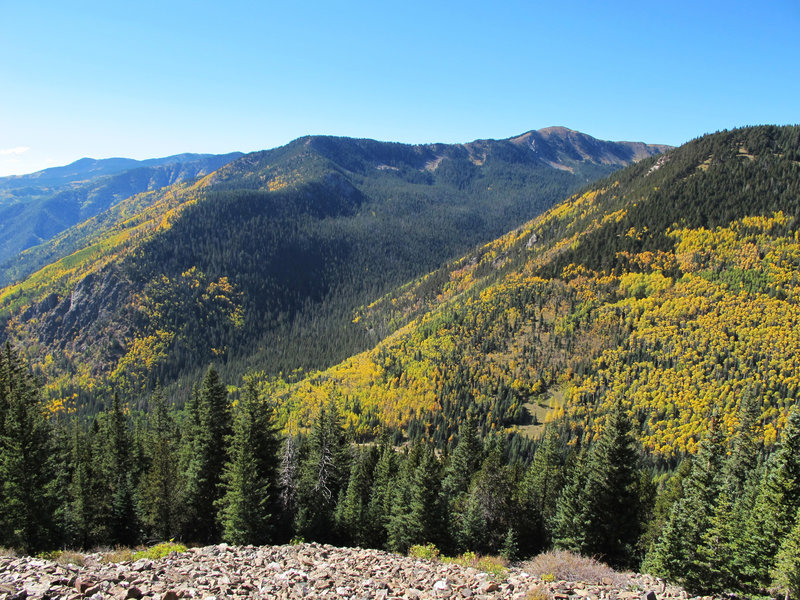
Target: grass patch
pixel 63 557
pixel 568 566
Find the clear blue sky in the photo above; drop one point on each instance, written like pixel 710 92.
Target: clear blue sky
pixel 144 79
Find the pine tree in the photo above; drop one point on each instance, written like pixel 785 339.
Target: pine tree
pixel 124 521
pixel 207 427
pixel 161 487
pixel 323 476
pixel 27 505
pixel 538 494
pixel 599 512
pixel 786 572
pixel 776 506
pixel 249 504
pixel 352 514
pixel 677 554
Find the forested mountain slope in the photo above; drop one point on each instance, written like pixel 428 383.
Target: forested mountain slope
pixel 672 286
pixel 34 208
pixel 263 263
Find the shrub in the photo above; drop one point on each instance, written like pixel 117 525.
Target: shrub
pixel 561 564
pixel 493 565
pixel 159 551
pixel 538 592
pixel 428 552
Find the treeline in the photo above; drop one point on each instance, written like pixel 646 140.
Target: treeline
pixel 727 519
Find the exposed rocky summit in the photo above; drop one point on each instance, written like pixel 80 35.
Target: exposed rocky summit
pixel 301 571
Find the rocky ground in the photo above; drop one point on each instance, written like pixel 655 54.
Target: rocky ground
pixel 303 571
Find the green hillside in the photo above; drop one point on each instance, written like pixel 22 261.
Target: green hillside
pixel 263 263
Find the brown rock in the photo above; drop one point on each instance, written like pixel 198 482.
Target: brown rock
pixel 82 584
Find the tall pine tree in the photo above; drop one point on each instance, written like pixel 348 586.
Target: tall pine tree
pixel 249 504
pixel 26 470
pixel 208 423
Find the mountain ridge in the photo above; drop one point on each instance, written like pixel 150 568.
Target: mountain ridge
pixel 319 220
pixel 613 285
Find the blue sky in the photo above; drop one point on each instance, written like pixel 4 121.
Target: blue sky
pixel 144 79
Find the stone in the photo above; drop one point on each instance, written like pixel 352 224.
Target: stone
pixel 82 584
pixel 649 595
pixel 490 586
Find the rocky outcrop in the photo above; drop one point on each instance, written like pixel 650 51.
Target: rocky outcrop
pixel 301 571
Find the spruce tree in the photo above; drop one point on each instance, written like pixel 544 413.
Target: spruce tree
pixel 323 476
pixel 352 514
pixel 27 505
pixel 124 521
pixel 599 511
pixel 161 485
pixel 489 507
pixel 427 509
pixel 678 554
pixel 571 521
pixel 249 506
pixel 208 425
pixel 786 572
pixel 538 494
pixel 380 501
pixel 289 485
pixel 776 506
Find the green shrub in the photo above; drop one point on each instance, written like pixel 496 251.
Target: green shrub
pixel 159 551
pixel 428 551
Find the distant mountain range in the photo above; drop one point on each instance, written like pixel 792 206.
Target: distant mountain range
pixel 262 263
pixel 36 207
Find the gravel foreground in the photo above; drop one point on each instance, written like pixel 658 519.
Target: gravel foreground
pixel 225 572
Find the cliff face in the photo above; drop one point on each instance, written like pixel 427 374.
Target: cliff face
pixel 301 571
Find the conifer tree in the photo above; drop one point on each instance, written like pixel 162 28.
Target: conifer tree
pixel 487 518
pixel 427 509
pixel 538 494
pixel 399 527
pixel 249 504
pixel 776 506
pixel 26 469
pixel 208 425
pixel 599 509
pixel 571 521
pixel 380 501
pixel 124 522
pixel 161 487
pixel 786 572
pixel 678 553
pixel 352 514
pixel 323 476
pixel 289 485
